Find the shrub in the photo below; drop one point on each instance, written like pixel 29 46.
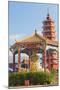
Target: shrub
pixel 35 78
pixel 40 78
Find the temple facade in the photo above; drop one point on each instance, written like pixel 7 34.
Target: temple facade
pixel 46 45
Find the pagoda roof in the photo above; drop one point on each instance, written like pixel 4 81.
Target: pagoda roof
pixel 48 19
pixel 52 42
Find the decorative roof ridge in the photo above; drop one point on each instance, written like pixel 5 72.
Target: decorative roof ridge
pixel 28 37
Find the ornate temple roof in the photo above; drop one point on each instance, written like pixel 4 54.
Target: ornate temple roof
pixel 35 38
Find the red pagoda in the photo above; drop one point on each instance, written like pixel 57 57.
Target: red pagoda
pixel 48 28
pixel 50 33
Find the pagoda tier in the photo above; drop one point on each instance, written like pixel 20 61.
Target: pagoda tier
pixel 52 58
pixel 48 28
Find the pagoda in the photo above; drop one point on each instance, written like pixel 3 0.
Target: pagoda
pixel 49 28
pixel 50 34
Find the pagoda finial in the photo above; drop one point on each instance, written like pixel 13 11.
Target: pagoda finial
pixel 48 16
pixel 47 11
pixel 35 31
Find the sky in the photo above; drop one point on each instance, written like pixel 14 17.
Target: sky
pixel 24 18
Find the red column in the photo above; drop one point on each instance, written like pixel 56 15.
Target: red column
pixel 29 62
pixel 18 59
pixel 29 58
pixel 49 62
pixel 13 61
pixel 44 59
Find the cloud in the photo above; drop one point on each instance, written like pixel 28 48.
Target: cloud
pixel 14 37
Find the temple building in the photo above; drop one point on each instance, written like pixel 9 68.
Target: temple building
pixel 34 45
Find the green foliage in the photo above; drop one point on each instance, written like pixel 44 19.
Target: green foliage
pixel 35 78
pixel 40 78
pixel 54 76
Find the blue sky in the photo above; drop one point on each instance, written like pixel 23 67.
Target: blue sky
pixel 25 17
